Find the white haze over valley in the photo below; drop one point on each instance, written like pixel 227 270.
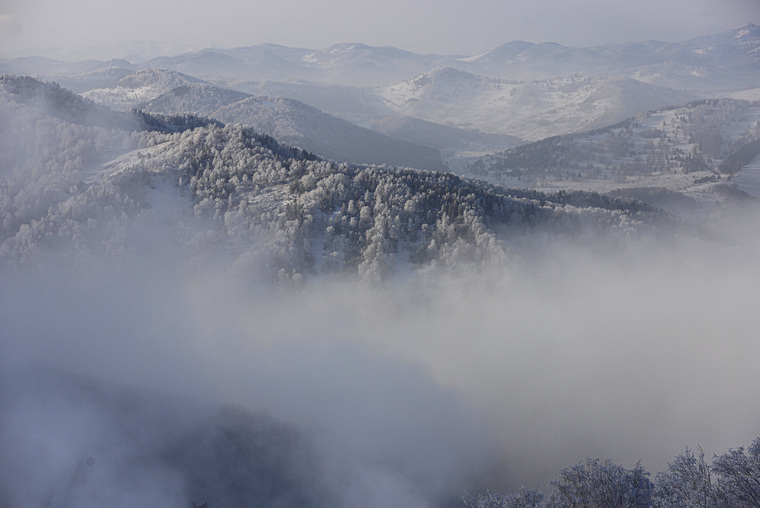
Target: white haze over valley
pixel 360 276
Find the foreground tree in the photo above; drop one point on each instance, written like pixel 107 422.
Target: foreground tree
pixel 731 481
pixel 738 476
pixel 596 484
pixel 525 498
pixel 686 483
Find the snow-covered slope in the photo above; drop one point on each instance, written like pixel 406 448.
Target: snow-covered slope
pixel 295 123
pixel 699 151
pixel 526 109
pixel 101 78
pixel 350 103
pixel 60 103
pixel 292 212
pixel 298 124
pixel 199 98
pixel 138 87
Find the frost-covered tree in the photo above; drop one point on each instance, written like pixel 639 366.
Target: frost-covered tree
pixel 686 483
pixel 732 480
pixel 596 484
pixel 738 476
pixel 524 498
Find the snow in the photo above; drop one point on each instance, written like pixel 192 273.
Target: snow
pixel 96 173
pixel 122 98
pixel 530 110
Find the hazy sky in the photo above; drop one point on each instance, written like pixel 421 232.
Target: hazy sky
pixel 425 26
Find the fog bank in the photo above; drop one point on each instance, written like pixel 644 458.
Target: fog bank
pixel 150 378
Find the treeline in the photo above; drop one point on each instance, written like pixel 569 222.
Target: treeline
pixel 730 480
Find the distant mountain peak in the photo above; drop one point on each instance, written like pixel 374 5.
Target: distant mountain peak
pixel 152 74
pixel 443 74
pixel 347 46
pixel 351 50
pixel 510 49
pixel 445 70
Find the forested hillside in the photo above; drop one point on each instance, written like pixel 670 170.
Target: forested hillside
pixel 685 139
pixel 695 150
pixel 76 183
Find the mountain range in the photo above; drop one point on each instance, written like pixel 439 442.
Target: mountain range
pixel 288 120
pixel 517 92
pixel 471 114
pixel 728 57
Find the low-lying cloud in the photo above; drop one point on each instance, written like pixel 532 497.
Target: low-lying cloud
pixel 153 383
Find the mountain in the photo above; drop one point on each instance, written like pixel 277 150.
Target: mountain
pixel 687 156
pixel 525 109
pixel 348 64
pixel 734 50
pixel 100 78
pixel 365 107
pixel 298 124
pixel 266 61
pixel 257 200
pixel 351 103
pixel 132 51
pixel 198 98
pixel 138 87
pixel 78 76
pixel 207 63
pixel 40 66
pixel 362 65
pixel 527 60
pixel 65 105
pixel 734 53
